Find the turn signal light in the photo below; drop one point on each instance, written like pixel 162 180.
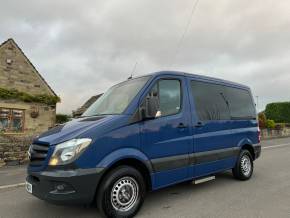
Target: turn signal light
pixel 53 161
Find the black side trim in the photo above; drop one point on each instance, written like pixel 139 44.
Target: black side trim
pixel 172 162
pixel 178 161
pixel 209 156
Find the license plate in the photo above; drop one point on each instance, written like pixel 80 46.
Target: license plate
pixel 28 187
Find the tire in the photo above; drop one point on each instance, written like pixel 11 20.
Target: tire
pixel 244 166
pixel 128 195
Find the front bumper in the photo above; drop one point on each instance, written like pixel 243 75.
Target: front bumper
pixel 257 150
pixel 65 186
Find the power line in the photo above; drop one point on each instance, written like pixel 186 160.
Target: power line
pixel 194 6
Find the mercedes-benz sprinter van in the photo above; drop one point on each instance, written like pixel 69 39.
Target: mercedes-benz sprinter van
pixel 144 134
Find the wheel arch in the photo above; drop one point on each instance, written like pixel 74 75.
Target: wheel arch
pixel 247 145
pixel 130 157
pixel 137 164
pixel 250 148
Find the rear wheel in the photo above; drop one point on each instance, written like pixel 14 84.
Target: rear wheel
pixel 121 193
pixel 244 166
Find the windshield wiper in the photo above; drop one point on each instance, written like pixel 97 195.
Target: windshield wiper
pixel 98 115
pixel 106 114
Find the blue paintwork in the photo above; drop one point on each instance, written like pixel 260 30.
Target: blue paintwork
pixel 168 177
pixel 219 134
pixel 115 138
pixel 161 137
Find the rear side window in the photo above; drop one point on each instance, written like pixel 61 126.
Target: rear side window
pixel 210 102
pixel 218 102
pixel 240 103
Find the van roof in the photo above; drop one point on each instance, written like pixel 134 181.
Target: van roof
pixel 200 77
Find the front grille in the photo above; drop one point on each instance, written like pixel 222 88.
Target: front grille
pixel 37 154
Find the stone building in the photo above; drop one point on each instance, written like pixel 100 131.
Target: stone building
pixel 86 105
pixel 27 102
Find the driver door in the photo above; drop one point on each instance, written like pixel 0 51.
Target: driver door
pixel 165 138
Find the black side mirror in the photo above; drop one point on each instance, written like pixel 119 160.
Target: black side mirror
pixel 150 108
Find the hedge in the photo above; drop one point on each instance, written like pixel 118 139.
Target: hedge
pixel 279 112
pixel 62 118
pixel 23 96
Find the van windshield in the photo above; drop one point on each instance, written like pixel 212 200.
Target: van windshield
pixel 117 98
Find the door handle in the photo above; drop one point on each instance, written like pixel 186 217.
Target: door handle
pixel 199 124
pixel 181 126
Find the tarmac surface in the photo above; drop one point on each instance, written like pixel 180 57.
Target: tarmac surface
pixel 267 194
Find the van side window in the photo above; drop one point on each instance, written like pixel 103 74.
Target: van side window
pixel 168 92
pixel 218 102
pixel 240 103
pixel 210 102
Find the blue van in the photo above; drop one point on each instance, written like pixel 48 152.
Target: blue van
pixel 144 134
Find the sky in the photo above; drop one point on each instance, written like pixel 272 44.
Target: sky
pixel 82 48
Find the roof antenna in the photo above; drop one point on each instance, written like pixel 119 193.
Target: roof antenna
pixel 133 70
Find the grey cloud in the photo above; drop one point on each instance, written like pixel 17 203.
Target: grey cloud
pixel 83 47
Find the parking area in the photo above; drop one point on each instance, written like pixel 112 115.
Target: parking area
pixel 267 194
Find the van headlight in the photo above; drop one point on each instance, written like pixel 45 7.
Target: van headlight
pixel 68 151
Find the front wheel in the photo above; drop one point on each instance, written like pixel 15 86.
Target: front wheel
pixel 121 193
pixel 244 166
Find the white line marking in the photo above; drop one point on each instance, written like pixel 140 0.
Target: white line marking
pixel 276 146
pixel 12 186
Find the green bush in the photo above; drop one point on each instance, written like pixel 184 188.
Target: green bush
pixel 279 112
pixel 270 124
pixel 62 118
pixel 23 96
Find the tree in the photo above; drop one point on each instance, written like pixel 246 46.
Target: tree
pixel 262 120
pixel 279 112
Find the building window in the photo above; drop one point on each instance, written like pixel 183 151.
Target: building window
pixel 11 120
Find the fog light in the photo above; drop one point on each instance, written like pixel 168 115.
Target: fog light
pixel 62 188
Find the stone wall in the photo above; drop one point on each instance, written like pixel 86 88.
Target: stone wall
pixel 275 133
pixel 13 149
